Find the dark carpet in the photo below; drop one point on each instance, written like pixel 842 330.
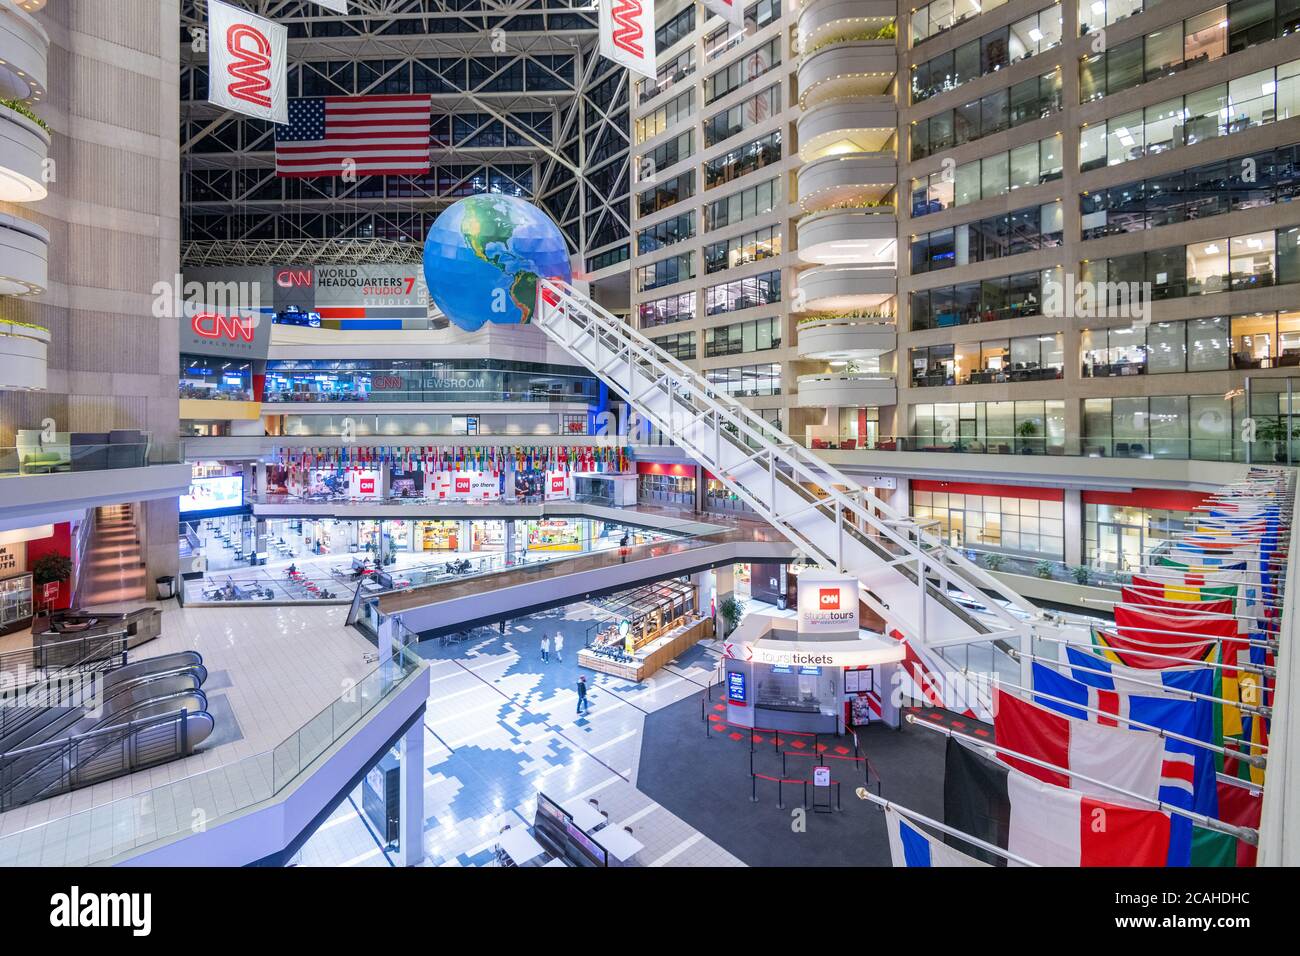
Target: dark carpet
pixel 706 782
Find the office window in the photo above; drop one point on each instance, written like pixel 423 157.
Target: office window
pixel 758 335
pixel 747 293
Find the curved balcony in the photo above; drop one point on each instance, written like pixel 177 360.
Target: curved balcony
pixel 850 69
pixel 23 356
pixel 846 389
pixel 23 148
pixel 843 338
pixel 848 235
pixel 847 288
pixel 823 20
pixel 24 52
pixel 24 256
pixel 859 125
pixel 845 180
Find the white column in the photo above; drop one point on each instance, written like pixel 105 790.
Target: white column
pixel 410 842
pixel 1072 528
pixel 509 540
pixel 724 579
pixel 411 544
pixel 703 581
pixel 586 533
pixel 465 539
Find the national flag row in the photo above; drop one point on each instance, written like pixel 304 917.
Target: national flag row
pixel 493 458
pixel 1145 746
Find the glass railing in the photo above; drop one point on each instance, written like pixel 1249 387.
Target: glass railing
pixel 388 396
pixel 56 457
pixel 1196 449
pixel 202 800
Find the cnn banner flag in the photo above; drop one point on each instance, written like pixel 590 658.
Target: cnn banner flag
pixel 733 11
pixel 627 34
pixel 247 63
pixel 338 6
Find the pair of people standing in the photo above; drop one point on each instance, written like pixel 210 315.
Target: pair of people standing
pixel 546 647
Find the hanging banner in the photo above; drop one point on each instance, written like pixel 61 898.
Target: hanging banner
pixel 247 63
pixel 338 6
pixel 627 34
pixel 733 11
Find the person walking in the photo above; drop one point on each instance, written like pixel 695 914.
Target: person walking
pixel 582 695
pixel 546 649
pixel 559 646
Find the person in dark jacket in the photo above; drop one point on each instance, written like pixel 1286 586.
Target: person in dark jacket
pixel 582 695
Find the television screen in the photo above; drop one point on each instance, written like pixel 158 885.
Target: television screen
pixel 213 494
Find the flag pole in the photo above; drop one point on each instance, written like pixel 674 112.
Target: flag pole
pixel 1175 692
pixel 864 794
pixel 1192 637
pixel 1178 661
pixel 998 682
pixel 1245 834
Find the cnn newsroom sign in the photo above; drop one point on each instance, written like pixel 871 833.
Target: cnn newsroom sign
pixel 828 605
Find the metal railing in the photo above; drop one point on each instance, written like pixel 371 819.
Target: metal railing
pixel 95 835
pixel 702 419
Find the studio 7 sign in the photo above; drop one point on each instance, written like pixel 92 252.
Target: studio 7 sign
pixel 247 63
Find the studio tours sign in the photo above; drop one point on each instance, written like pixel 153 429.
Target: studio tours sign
pixel 828 605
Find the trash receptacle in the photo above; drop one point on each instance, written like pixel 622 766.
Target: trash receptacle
pixel 166 586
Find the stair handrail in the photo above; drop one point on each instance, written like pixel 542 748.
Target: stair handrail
pixel 554 295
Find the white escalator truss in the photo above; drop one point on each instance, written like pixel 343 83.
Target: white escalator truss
pixel 797 492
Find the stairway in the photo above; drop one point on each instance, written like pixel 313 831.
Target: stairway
pixel 114 564
pixel 908 575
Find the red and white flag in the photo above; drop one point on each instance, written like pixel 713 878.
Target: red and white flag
pixel 1128 759
pixel 733 11
pixel 627 34
pixel 248 63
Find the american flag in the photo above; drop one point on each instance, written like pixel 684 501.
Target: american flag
pixel 382 135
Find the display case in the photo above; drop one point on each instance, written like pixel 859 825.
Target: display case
pixel 15 602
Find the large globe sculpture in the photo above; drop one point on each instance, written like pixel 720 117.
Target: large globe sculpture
pixel 484 255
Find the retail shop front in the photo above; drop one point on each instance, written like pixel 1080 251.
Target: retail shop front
pixel 818 672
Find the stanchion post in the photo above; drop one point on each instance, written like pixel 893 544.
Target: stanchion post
pixel 838 804
pixel 780 794
pixel 753 787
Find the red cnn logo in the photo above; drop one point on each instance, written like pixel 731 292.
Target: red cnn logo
pixel 252 67
pixel 627 31
pixel 293 278
pixel 828 599
pixel 462 484
pixel 367 486
pixel 557 484
pixel 209 325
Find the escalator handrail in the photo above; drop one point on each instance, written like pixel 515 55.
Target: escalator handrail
pixel 741 418
pixel 64 748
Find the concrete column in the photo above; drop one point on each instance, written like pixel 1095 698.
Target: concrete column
pixel 259 478
pixel 703 581
pixel 160 525
pixel 724 584
pixel 410 536
pixel 586 533
pixel 509 539
pixel 465 538
pixel 1072 528
pixel 410 842
pixel 383 549
pixel 700 482
pixel 385 479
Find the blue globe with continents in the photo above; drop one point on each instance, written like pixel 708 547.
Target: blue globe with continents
pixel 484 255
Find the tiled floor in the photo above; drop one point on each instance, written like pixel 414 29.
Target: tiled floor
pixel 270 670
pixel 502 724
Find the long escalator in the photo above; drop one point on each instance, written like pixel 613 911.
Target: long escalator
pixel 907 574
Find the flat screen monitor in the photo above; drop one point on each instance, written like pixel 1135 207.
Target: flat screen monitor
pixel 213 494
pixel 551 824
pixel 583 850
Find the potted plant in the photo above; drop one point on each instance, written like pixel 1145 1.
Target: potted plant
pixel 49 569
pixel 1043 569
pixel 1026 430
pixel 1081 574
pixel 994 562
pixel 1275 430
pixel 731 612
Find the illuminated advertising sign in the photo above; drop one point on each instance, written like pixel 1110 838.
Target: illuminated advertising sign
pixel 213 494
pixel 736 687
pixel 558 485
pixel 827 605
